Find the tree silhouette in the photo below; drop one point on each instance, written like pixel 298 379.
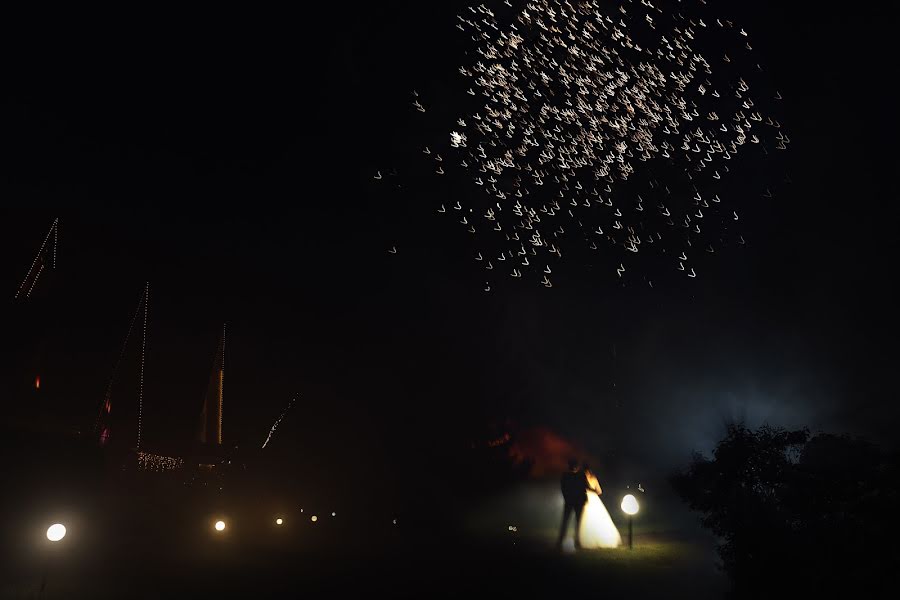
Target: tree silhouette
pixel 794 513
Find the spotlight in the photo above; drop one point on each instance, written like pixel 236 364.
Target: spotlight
pixel 56 532
pixel 220 525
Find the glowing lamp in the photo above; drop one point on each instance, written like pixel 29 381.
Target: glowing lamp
pixel 629 505
pixel 56 532
pixel 279 521
pixel 630 508
pixel 220 525
pixel 314 518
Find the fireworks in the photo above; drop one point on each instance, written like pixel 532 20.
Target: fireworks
pixel 603 132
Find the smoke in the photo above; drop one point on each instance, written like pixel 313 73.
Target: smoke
pixel 548 451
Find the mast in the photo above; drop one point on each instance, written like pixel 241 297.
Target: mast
pixel 211 416
pixel 221 388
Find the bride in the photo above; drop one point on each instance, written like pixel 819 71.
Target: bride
pixel 597 527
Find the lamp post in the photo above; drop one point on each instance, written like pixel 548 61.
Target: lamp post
pixel 630 508
pixel 55 534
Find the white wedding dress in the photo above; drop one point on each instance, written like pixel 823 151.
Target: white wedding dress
pixel 597 527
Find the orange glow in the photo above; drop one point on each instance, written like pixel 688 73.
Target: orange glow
pixel 549 451
pixel 499 441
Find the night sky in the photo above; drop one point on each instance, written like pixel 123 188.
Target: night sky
pixel 227 159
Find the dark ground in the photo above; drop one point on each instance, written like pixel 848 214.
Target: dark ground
pixel 140 535
pixel 399 567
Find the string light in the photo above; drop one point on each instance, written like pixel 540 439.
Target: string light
pixel 157 463
pixel 143 352
pixel 34 281
pixel 278 421
pixel 106 406
pixel 221 384
pixel 54 230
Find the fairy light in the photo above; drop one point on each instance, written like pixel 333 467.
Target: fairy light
pixel 112 378
pixel 157 463
pixel 54 230
pixel 34 281
pixel 278 421
pixel 143 353
pixel 221 385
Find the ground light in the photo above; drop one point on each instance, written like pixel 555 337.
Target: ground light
pixel 220 525
pixel 630 508
pixel 56 532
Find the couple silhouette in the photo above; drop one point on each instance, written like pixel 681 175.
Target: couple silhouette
pixel 581 496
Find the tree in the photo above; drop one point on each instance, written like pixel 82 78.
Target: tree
pixel 795 513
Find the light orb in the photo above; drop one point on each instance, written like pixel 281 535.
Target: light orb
pixel 220 525
pixel 279 521
pixel 629 505
pixel 56 532
pixel 314 518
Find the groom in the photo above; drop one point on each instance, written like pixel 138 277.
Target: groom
pixel 574 486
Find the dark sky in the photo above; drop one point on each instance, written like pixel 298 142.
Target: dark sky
pixel 227 159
